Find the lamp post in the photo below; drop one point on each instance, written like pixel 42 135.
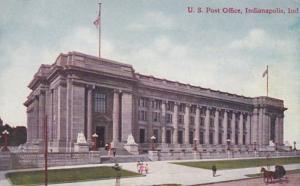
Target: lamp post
pixel 295 145
pixel 153 138
pixel 5 134
pixel 94 136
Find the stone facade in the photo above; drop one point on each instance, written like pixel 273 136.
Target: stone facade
pixel 82 93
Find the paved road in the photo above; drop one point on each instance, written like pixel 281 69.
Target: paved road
pixel 163 172
pixel 293 179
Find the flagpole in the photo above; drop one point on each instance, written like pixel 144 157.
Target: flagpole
pixel 267 81
pixel 100 30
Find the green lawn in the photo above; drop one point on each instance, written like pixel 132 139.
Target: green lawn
pixel 67 175
pixel 235 164
pixel 287 172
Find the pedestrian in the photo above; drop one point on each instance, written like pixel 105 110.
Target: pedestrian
pixel 138 166
pixel 214 170
pixel 146 168
pixel 141 168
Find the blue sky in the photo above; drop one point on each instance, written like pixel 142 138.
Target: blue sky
pixel 158 37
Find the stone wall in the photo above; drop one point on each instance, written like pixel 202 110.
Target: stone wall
pixel 36 160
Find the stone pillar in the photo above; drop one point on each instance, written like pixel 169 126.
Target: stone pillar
pixel 233 128
pixel 241 129
pixel 216 125
pixel 254 126
pixel 61 115
pixel 163 116
pixel 248 129
pixel 69 113
pixel 36 120
pixel 225 128
pixel 89 114
pixel 150 121
pixel 186 124
pixel 197 124
pixel 206 123
pixel 277 130
pixel 281 137
pixel 175 124
pixel 126 115
pixel 116 119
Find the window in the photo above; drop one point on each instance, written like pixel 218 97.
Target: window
pixel 155 133
pixel 143 102
pixel 170 106
pixel 220 123
pixel 142 115
pixel 100 102
pixel 142 135
pixel 168 118
pixel 191 135
pixel 181 107
pixel 202 121
pixel 236 139
pixel 211 138
pixel 220 138
pixel 180 119
pixel 211 122
pixel 156 104
pixel 192 120
pixel 168 136
pixel 180 137
pixel 156 117
pixel 193 109
pixel 201 137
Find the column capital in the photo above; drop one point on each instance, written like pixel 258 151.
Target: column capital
pixel 177 103
pixel 188 104
pixel 117 91
pixel 164 101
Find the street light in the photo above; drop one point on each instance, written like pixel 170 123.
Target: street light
pixel 94 136
pixel 5 134
pixel 295 145
pixel 153 138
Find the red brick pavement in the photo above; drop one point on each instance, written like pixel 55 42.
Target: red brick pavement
pixel 293 180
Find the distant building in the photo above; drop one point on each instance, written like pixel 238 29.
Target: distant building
pixel 82 93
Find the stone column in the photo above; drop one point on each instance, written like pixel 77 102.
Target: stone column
pixel 254 126
pixel 277 133
pixel 69 113
pixel 186 124
pixel 150 121
pixel 281 137
pixel 116 119
pixel 126 115
pixel 216 125
pixel 241 129
pixel 163 116
pixel 36 120
pixel 248 129
pixel 41 111
pixel 233 128
pixel 175 123
pixel 89 114
pixel 206 123
pixel 197 124
pixel 225 128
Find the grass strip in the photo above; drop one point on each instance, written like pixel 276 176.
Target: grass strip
pixel 236 164
pixel 67 175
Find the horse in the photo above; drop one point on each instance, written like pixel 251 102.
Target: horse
pixel 267 174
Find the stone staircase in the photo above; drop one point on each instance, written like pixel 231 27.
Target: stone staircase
pixel 124 158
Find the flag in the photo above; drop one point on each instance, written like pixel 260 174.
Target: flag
pixel 265 73
pixel 97 21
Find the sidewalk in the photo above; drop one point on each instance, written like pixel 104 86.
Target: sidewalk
pixel 162 172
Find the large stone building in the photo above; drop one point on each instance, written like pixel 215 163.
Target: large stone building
pixel 82 93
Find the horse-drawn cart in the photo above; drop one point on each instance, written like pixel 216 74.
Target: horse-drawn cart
pixel 277 174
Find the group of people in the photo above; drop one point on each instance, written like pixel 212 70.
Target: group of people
pixel 142 167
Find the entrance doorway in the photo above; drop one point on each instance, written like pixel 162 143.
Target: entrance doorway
pixel 100 131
